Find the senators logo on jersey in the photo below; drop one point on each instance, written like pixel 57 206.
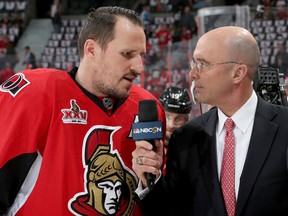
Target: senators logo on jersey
pixel 109 184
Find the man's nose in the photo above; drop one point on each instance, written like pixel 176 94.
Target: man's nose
pixel 137 65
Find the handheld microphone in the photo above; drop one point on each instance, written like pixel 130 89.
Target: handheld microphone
pixel 148 128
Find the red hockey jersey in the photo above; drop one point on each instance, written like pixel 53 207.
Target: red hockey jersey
pixel 61 152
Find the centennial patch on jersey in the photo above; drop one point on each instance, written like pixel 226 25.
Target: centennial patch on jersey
pixel 74 115
pixel 14 84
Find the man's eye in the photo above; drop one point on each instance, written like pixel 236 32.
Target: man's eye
pixel 178 118
pixel 201 64
pixel 127 54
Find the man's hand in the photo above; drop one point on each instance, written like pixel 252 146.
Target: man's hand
pixel 147 160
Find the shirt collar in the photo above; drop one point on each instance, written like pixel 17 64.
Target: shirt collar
pixel 242 118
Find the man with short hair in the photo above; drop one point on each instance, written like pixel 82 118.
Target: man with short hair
pixel 231 160
pixel 66 137
pixel 29 58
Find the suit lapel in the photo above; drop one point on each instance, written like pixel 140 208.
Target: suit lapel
pixel 208 158
pixel 261 140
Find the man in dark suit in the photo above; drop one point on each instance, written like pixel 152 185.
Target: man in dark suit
pixel 223 67
pixel 29 59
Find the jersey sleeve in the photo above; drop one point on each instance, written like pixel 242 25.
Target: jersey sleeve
pixel 24 112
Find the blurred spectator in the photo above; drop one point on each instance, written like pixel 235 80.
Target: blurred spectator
pixel 189 3
pixel 179 73
pixel 164 36
pixel 280 2
pixel 29 59
pixel 175 32
pixel 5 19
pixel 18 21
pixel 281 59
pixel 4 43
pixel 187 20
pixel 11 54
pixel 139 5
pixel 17 24
pixel 281 11
pixel 150 56
pixel 146 16
pixel 186 37
pixel 56 16
pixel 12 25
pixel 155 85
pixel 185 34
pixel 268 13
pixel 267 3
pixel 7 52
pixel 157 6
pixel 7 72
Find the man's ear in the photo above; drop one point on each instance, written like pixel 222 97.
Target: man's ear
pixel 240 72
pixel 89 47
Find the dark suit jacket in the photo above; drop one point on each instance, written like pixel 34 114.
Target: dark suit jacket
pixel 191 186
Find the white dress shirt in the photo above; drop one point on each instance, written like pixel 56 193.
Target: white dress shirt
pixel 243 120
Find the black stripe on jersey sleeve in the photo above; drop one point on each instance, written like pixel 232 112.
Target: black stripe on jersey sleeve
pixel 12 176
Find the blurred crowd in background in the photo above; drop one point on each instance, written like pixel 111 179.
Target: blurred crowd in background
pixel 171 27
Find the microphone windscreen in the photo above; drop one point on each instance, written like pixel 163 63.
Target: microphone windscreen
pixel 148 111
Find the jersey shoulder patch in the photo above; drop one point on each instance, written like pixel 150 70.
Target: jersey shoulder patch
pixel 14 84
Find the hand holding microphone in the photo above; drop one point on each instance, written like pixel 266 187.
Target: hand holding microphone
pixel 148 128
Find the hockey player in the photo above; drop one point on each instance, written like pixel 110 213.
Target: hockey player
pixel 66 143
pixel 177 105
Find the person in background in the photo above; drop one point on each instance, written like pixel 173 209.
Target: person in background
pixel 8 52
pixel 281 10
pixel 11 55
pixel 202 178
pixel 139 5
pixel 281 59
pixel 177 105
pixel 56 16
pixel 146 15
pixel 6 73
pixel 187 21
pixel 66 145
pixel 29 59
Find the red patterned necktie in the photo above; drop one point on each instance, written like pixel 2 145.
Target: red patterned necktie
pixel 227 177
